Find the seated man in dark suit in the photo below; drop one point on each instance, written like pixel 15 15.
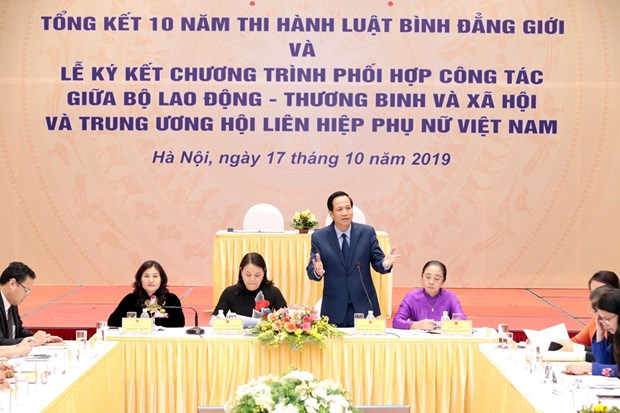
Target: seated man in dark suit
pixel 16 283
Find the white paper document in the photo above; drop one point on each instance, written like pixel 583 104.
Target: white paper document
pixel 543 338
pixel 248 321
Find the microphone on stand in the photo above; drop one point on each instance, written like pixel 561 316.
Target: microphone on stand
pixel 192 330
pixel 357 265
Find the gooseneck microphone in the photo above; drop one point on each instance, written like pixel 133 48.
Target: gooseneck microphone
pixel 192 330
pixel 196 330
pixel 357 265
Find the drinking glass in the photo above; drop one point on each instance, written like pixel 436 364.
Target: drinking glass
pixel 63 359
pixel 102 326
pixel 502 329
pixel 44 371
pixel 358 316
pixel 5 400
pixel 81 338
pixel 131 314
pixel 21 389
pixel 508 339
pixel 457 316
pixel 33 376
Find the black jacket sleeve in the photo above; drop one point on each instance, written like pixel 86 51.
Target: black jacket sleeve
pixel 128 303
pixel 275 297
pixel 175 318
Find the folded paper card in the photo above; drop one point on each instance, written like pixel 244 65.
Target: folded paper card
pixel 369 326
pixel 456 327
pixel 228 326
pixel 137 325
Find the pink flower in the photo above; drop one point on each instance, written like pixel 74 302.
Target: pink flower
pixel 159 314
pixel 153 300
pixel 290 326
pixel 277 325
pixel 607 372
pixel 307 326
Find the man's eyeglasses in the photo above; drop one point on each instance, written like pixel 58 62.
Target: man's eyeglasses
pixel 28 290
pixel 607 320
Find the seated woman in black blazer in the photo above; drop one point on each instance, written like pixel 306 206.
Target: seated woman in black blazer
pixel 150 291
pixel 241 297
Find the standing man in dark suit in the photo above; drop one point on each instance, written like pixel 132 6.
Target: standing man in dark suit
pixel 342 254
pixel 16 284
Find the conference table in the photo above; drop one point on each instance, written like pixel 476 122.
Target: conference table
pixel 287 254
pixel 507 385
pixel 171 371
pixel 95 383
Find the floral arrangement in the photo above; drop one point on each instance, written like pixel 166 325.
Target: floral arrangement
pixel 295 391
pixel 154 308
pixel 297 325
pixel 599 408
pixel 304 220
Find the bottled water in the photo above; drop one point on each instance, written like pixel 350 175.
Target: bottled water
pixel 444 317
pixel 145 314
pixel 371 315
pixel 220 314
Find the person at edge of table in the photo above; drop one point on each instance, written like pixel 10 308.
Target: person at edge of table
pixel 241 297
pixel 7 370
pixel 341 255
pixel 16 284
pixel 150 291
pixel 606 350
pixel 583 339
pixel 422 308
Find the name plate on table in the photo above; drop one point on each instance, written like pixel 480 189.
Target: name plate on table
pixel 228 326
pixel 456 327
pixel 137 325
pixel 370 326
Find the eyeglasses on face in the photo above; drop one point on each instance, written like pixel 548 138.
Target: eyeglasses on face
pixel 607 319
pixel 28 290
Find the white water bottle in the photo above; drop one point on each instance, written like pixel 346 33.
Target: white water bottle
pixel 220 314
pixel 145 314
pixel 370 315
pixel 444 317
